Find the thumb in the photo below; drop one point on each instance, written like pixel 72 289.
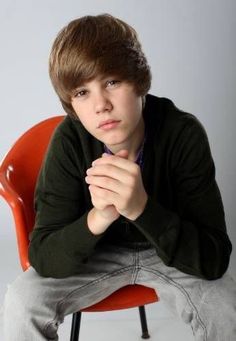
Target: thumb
pixel 123 153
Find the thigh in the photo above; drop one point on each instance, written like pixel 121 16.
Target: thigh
pixel 195 289
pixel 38 305
pixel 107 270
pixel 209 306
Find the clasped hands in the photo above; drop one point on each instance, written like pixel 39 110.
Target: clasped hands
pixel 115 185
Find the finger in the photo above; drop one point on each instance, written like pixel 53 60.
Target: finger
pixel 116 161
pixel 123 153
pixel 98 202
pixel 111 171
pixel 106 183
pixel 104 194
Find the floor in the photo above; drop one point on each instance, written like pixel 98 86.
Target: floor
pixel 119 325
pixel 127 327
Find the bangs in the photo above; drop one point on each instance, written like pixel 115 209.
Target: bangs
pixel 107 60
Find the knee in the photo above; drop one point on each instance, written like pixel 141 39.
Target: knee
pixel 25 304
pixel 19 297
pixel 219 305
pixel 15 299
pixel 221 296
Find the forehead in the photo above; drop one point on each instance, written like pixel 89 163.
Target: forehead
pixel 97 79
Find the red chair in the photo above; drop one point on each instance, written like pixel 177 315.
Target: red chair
pixel 18 175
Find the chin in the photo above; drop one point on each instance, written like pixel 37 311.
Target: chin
pixel 114 142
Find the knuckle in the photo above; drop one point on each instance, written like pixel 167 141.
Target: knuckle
pixel 135 169
pixel 122 206
pixel 132 182
pixel 127 197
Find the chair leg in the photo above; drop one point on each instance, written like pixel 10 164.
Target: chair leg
pixel 75 326
pixel 145 334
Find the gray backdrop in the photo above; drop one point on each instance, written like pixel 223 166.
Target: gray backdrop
pixel 190 46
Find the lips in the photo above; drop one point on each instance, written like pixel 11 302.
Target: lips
pixel 106 122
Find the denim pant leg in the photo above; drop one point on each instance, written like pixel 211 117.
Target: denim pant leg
pixel 35 306
pixel 208 306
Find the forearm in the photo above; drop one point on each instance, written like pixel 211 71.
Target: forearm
pixel 59 251
pixel 199 248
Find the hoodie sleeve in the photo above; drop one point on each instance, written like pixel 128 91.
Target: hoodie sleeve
pixel 193 237
pixel 61 240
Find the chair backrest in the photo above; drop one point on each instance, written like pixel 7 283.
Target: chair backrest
pixel 18 175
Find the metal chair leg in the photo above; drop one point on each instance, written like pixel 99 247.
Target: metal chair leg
pixel 75 326
pixel 76 319
pixel 145 334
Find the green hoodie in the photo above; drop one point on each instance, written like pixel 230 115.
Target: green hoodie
pixel 184 215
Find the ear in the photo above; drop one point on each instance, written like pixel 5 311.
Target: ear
pixel 69 110
pixel 143 101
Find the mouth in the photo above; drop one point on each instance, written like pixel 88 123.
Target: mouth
pixel 109 124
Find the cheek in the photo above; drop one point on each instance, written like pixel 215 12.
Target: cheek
pixel 135 100
pixel 82 114
pixel 87 123
pixel 135 108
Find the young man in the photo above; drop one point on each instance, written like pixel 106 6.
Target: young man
pixel 127 194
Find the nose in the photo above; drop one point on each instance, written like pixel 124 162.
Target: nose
pixel 102 103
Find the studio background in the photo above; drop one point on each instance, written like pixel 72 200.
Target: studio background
pixel 190 46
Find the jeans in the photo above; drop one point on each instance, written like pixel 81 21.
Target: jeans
pixel 38 305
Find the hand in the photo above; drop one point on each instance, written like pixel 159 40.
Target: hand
pixel 104 208
pixel 117 181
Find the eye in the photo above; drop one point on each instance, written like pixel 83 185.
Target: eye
pixel 80 93
pixel 112 82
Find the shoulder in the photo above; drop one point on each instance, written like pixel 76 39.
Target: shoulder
pixel 66 129
pixel 72 141
pixel 165 119
pixel 64 145
pixel 68 134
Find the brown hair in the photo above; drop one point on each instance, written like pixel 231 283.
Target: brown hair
pixel 96 45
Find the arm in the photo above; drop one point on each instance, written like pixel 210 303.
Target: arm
pixel 62 239
pixel 193 236
pixel 190 236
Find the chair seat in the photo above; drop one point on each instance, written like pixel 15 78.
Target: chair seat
pixel 129 296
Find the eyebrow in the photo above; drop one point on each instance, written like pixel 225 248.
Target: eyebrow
pixel 99 78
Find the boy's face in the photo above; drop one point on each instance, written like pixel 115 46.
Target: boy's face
pixel 108 98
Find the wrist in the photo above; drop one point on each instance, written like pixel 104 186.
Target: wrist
pixel 142 206
pixel 97 223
